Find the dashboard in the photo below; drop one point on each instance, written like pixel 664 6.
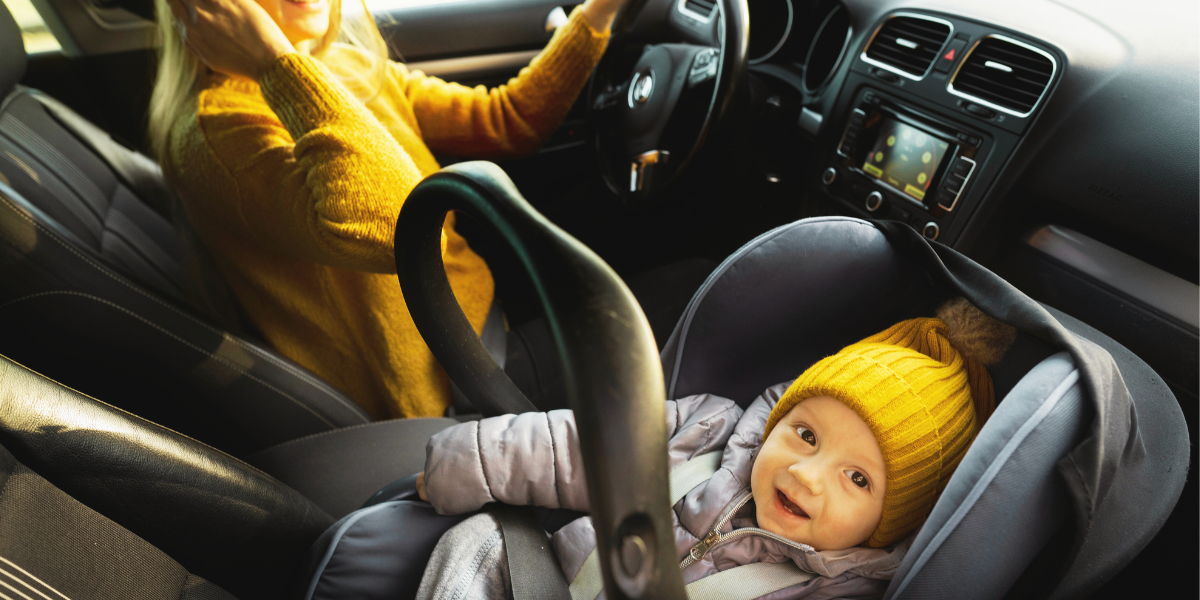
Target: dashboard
pixel 1057 142
pixel 1091 107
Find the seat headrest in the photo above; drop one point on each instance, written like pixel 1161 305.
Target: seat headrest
pixel 12 52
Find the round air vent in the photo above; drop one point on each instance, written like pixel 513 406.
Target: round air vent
pixel 772 24
pixel 827 49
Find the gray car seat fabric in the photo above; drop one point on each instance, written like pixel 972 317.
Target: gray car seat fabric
pixel 98 292
pixel 771 310
pixel 1005 500
pixel 340 469
pixel 52 547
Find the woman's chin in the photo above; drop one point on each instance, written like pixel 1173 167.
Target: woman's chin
pixel 304 20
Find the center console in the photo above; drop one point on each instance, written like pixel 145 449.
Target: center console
pixel 931 109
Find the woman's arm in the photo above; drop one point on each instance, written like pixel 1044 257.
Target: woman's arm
pixel 513 119
pixel 316 175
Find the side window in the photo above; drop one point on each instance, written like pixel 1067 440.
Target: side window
pixel 382 6
pixel 36 35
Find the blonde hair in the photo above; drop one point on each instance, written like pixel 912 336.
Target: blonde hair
pixel 181 75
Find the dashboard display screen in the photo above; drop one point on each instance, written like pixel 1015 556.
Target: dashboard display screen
pixel 905 157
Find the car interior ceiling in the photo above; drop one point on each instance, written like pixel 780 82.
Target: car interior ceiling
pixel 1087 199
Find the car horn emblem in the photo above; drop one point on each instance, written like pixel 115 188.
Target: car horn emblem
pixel 641 88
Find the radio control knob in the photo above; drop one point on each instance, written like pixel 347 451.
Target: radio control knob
pixel 874 201
pixel 829 176
pixel 930 231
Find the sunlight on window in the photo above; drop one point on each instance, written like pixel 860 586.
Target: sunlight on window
pixel 34 33
pixel 380 6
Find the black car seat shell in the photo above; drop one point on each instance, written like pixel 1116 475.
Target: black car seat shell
pixel 97 286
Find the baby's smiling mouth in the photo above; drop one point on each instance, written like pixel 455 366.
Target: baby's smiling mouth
pixel 790 506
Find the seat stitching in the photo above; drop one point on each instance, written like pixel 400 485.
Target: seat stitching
pixel 27 584
pixel 55 161
pixel 232 366
pixel 249 348
pixel 121 225
pixel 66 197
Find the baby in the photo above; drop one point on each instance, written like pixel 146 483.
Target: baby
pixel 831 472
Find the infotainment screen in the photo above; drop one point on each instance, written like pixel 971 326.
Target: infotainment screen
pixel 905 157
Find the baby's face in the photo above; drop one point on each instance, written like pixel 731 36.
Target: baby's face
pixel 819 477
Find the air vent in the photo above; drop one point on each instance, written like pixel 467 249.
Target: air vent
pixel 701 9
pixel 907 44
pixel 1005 74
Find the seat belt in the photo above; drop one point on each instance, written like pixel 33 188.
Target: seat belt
pixel 533 571
pixel 495 341
pixel 744 582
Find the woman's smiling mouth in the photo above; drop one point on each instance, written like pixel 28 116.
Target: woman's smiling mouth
pixel 789 506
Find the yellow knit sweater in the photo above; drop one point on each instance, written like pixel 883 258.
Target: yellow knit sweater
pixel 295 187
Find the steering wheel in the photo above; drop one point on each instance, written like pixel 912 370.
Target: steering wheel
pixel 611 367
pixel 667 80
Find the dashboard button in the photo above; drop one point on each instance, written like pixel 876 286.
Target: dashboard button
pixel 885 75
pixel 968 139
pixel 954 183
pixel 930 231
pixel 949 55
pixel 829 176
pixel 980 111
pixel 874 201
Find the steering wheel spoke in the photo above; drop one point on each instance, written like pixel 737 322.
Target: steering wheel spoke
pixel 651 100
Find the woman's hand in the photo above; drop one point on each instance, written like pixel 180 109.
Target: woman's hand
pixel 600 13
pixel 421 486
pixel 235 37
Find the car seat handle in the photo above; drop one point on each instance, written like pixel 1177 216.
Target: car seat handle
pixel 610 362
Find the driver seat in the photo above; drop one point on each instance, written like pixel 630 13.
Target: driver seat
pixel 97 290
pixel 98 503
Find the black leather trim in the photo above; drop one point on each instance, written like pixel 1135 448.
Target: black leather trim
pixel 217 516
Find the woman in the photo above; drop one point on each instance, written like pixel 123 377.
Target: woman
pixel 292 142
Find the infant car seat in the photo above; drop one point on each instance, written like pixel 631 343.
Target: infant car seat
pixel 1070 478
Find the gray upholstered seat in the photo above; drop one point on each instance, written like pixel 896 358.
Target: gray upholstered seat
pixel 97 291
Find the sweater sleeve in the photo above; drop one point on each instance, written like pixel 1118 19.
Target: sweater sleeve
pixel 317 175
pixel 513 119
pixel 534 458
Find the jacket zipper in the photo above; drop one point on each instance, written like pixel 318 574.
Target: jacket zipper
pixel 715 537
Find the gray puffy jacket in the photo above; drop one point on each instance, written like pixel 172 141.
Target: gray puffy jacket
pixel 534 459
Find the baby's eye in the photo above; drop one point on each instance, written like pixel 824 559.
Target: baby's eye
pixel 858 479
pixel 807 435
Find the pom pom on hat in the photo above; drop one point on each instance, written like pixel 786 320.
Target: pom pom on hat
pixel 974 334
pixel 922 389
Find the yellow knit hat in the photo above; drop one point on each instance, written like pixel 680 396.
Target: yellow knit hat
pixel 922 389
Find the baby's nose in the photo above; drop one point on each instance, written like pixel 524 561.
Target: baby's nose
pixel 807 474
